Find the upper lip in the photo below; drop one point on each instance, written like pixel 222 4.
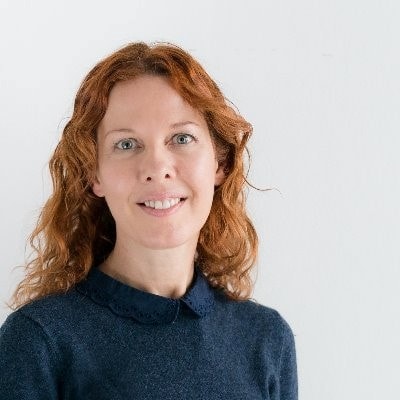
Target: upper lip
pixel 160 196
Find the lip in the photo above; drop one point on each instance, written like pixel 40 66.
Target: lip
pixel 160 196
pixel 162 212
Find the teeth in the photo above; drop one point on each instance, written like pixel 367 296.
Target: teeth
pixel 162 205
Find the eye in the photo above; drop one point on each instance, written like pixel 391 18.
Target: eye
pixel 183 138
pixel 125 144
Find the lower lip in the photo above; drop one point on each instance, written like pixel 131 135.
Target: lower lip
pixel 161 212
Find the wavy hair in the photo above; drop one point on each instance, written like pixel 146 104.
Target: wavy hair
pixel 75 229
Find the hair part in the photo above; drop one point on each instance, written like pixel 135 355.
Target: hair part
pixel 75 229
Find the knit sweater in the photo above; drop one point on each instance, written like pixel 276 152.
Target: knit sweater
pixel 105 340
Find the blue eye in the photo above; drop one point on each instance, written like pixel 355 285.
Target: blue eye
pixel 125 144
pixel 183 138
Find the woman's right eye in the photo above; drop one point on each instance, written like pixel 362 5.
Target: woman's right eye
pixel 125 144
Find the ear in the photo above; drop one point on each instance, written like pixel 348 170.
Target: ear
pixel 219 174
pixel 97 188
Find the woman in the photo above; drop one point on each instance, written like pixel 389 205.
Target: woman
pixel 140 288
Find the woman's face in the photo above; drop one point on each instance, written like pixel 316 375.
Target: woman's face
pixel 157 166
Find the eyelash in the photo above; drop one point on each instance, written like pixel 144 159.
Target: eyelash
pixel 117 144
pixel 192 137
pixel 133 141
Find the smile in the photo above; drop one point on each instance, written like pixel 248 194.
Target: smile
pixel 162 204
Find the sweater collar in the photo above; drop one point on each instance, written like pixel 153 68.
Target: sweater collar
pixel 145 307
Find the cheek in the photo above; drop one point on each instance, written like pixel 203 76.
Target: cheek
pixel 199 172
pixel 114 180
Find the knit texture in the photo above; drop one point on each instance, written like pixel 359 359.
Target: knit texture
pixel 104 340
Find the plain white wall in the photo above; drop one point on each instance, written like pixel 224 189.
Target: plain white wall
pixel 319 80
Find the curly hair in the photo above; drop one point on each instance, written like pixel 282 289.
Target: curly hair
pixel 75 229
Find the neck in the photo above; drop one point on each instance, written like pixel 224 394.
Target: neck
pixel 166 272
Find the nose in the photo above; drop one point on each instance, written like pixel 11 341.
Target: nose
pixel 156 166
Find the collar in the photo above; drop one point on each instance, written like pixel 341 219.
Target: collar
pixel 145 307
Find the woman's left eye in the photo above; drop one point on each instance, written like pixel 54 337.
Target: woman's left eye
pixel 183 138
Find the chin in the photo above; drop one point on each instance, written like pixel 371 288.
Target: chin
pixel 170 242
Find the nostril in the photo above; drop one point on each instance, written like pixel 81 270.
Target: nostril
pixel 166 176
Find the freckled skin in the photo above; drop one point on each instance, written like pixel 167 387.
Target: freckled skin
pixel 139 154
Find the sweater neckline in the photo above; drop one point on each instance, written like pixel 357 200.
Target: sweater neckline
pixel 147 308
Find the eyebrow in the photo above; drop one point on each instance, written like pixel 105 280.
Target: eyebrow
pixel 172 126
pixel 179 124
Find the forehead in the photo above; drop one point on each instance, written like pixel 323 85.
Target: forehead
pixel 147 101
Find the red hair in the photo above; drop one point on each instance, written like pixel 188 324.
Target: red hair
pixel 75 229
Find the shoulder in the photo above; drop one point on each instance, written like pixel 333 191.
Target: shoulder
pixel 256 316
pixel 46 311
pixel 257 327
pixel 30 360
pixel 41 327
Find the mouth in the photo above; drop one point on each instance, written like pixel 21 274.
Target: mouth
pixel 164 204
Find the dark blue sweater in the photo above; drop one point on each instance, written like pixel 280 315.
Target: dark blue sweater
pixel 107 340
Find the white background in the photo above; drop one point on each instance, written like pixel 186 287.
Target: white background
pixel 319 81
